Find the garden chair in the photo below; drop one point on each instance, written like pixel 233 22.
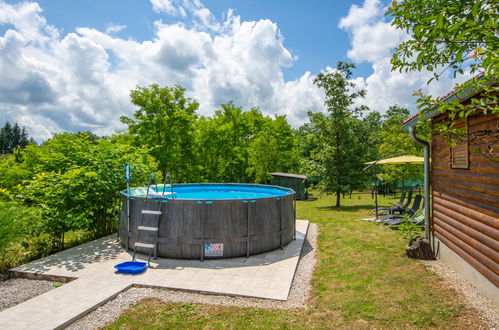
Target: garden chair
pixel 399 209
pixel 417 219
pixel 409 211
pixel 397 205
pixel 402 209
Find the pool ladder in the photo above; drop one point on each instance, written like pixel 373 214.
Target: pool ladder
pixel 150 212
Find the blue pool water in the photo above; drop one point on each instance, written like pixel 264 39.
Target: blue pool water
pixel 211 191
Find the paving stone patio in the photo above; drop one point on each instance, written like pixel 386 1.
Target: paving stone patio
pixel 267 275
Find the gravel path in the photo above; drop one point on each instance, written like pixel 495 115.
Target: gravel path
pixel 298 296
pixel 487 310
pixel 18 290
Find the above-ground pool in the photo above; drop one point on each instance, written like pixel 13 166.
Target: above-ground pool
pixel 199 221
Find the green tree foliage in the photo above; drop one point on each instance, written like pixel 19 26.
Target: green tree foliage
pixel 11 173
pixel 337 152
pixel 394 141
pixel 454 35
pixel 273 150
pixel 165 123
pixel 244 146
pixel 12 137
pixel 74 182
pixel 18 225
pixel 224 143
pixel 370 135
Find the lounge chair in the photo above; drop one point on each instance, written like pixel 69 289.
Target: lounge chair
pixel 409 211
pixel 405 207
pixel 399 209
pixel 417 219
pixel 398 204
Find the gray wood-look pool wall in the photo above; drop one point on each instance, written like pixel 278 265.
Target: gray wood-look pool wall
pixel 244 227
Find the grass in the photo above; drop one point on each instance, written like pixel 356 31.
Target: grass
pixel 362 280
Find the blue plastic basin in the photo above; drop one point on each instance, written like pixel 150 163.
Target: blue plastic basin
pixel 131 267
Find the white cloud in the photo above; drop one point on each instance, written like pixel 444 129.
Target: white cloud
pixel 114 28
pixel 168 7
pixel 373 40
pixel 82 80
pixel 371 36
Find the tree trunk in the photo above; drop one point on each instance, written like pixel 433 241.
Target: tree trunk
pixel 420 249
pixel 338 197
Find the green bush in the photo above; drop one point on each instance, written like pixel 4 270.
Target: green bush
pixel 72 183
pixel 15 220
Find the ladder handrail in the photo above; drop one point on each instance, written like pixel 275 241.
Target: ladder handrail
pixel 151 176
pixel 171 184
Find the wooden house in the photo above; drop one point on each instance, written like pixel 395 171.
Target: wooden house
pixel 464 181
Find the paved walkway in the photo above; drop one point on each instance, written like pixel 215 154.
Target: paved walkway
pixel 267 275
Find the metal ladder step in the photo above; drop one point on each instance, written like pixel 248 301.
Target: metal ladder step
pixel 147 228
pixel 145 245
pixel 151 212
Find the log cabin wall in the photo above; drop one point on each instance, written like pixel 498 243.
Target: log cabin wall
pixel 466 199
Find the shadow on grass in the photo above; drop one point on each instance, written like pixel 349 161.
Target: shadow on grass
pixel 346 208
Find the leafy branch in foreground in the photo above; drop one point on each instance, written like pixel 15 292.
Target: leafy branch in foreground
pixel 459 36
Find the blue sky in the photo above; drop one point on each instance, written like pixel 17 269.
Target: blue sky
pixel 70 65
pixel 310 29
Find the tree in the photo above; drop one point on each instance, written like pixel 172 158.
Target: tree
pixel 165 123
pixel 272 150
pixel 6 138
pixel 225 141
pixel 455 36
pixel 12 137
pixel 243 146
pixel 394 141
pixel 337 154
pixel 75 182
pixel 370 135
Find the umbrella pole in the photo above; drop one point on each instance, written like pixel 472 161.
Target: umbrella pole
pixel 375 192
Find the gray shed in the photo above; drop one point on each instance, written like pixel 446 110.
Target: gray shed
pixel 297 182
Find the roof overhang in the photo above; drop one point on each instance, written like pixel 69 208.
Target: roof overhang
pixel 460 96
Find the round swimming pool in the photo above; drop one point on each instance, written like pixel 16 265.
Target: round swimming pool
pixel 209 220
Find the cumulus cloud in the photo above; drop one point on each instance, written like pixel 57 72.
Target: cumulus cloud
pixel 79 81
pixel 373 40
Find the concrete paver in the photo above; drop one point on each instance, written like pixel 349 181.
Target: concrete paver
pixel 268 275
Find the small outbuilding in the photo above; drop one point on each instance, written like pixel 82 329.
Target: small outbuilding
pixel 297 182
pixel 464 183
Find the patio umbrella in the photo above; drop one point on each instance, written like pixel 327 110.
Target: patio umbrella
pixel 405 159
pixel 401 158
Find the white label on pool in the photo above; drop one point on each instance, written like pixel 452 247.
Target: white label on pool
pixel 214 250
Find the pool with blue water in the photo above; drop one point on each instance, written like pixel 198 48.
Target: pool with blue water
pixel 210 191
pixel 208 220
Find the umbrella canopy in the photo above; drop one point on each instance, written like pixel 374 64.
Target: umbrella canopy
pixel 405 159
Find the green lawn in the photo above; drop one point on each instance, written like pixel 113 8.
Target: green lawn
pixel 362 280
